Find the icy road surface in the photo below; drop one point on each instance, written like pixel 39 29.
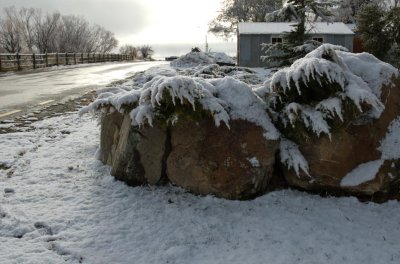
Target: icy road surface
pixel 21 90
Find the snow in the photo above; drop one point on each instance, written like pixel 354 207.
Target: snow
pixel 82 215
pixel 370 69
pixel 359 76
pixel 331 107
pixel 390 145
pixel 254 162
pixel 291 156
pixel 283 27
pixel 193 59
pixel 224 98
pixel 243 104
pixel 362 173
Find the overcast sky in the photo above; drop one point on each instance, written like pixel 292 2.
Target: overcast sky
pixel 154 22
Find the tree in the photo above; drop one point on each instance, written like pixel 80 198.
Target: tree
pixel 296 43
pixel 372 26
pixel 102 40
pixel 10 36
pixel 129 50
pixel 146 51
pixel 74 33
pixel 46 31
pixel 30 30
pixel 347 11
pixel 235 11
pixel 27 27
pixel 393 24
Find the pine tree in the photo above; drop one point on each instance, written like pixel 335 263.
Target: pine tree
pixel 296 43
pixel 372 26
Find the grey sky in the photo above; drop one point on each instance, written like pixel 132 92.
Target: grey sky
pixel 119 16
pixel 154 22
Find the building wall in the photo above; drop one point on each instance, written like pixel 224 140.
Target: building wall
pixel 249 47
pixel 250 50
pixel 342 40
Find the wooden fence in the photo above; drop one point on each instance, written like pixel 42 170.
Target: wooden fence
pixel 17 62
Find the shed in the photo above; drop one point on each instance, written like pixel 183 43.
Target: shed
pixel 252 35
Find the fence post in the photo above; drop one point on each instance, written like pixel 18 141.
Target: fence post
pixel 94 57
pixel 46 59
pixel 18 61
pixel 66 58
pixel 34 60
pixel 81 57
pixel 57 58
pixel 75 58
pixel 88 58
pixel 0 62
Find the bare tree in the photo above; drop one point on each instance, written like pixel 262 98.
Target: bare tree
pixel 27 27
pixel 30 30
pixel 235 11
pixel 129 50
pixel 74 34
pixel 107 41
pixel 146 51
pixel 46 31
pixel 102 40
pixel 347 11
pixel 10 36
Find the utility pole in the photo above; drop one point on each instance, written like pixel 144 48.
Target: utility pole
pixel 206 44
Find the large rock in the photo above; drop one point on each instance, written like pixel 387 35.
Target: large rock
pixel 109 136
pixel 354 144
pixel 137 155
pixel 234 164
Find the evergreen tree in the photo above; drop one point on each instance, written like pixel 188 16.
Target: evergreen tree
pixel 372 27
pixel 296 42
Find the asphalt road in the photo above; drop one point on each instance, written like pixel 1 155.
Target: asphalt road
pixel 21 91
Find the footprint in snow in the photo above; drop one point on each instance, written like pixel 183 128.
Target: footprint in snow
pixel 43 228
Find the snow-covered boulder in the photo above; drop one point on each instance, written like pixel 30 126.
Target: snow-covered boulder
pixel 333 117
pixel 222 120
pixel 335 107
pixel 193 59
pixel 235 163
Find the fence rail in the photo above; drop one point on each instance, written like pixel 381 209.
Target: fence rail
pixel 17 61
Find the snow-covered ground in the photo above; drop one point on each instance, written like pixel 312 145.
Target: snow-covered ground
pixel 58 204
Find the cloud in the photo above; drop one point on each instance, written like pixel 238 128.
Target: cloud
pixel 119 16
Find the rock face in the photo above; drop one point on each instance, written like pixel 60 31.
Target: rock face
pixel 137 155
pixel 109 136
pixel 234 164
pixel 351 146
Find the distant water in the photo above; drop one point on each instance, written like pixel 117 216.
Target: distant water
pixel 165 50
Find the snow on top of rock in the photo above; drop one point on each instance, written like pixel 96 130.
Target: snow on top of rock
pixel 225 98
pixel 244 104
pixel 182 88
pixel 362 173
pixel 193 59
pixel 390 145
pixel 371 70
